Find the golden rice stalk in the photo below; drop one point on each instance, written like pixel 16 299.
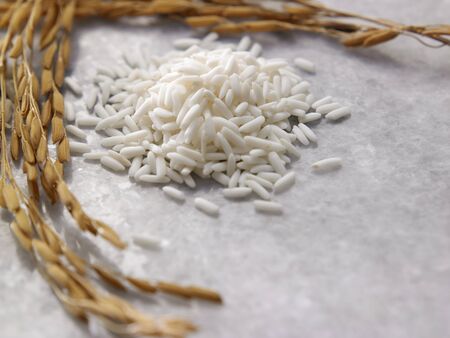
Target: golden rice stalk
pixel 49 189
pixel 109 234
pixel 437 30
pixel 78 263
pixel 59 167
pixel 46 113
pixel 32 22
pixel 380 37
pixel 18 19
pixel 51 176
pixel 22 86
pixel 46 81
pixel 32 171
pixel 44 251
pixel 42 150
pixel 35 86
pixel 28 152
pixel 298 11
pixel 17 48
pixel 206 294
pixel 68 15
pixel 241 11
pixel 76 291
pixel 204 21
pixel 8 10
pixel 33 190
pixel 23 222
pixel 58 101
pixel 49 54
pixel 51 239
pixel 2 199
pixel 35 132
pixel 305 15
pixel 65 49
pixel 15 145
pixel 49 22
pixel 36 13
pixel 59 72
pixel 10 197
pixel 58 131
pixel 58 274
pixel 108 278
pixel 21 237
pixel 141 284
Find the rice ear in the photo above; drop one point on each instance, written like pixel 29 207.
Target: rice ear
pixel 58 131
pixel 67 16
pixel 17 48
pixel 10 197
pixel 35 132
pixel 46 81
pixel 49 54
pixel 59 70
pixel 380 37
pixel 19 17
pixel 58 101
pixel 204 21
pixel 22 238
pixel 63 150
pixel 65 50
pixel 46 112
pixel 357 39
pixel 41 153
pixel 15 145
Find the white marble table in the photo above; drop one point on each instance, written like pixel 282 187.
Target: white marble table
pixel 361 252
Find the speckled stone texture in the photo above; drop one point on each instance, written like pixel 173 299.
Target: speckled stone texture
pixel 360 252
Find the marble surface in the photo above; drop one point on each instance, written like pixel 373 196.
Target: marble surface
pixel 360 252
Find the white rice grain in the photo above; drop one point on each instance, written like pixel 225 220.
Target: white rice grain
pixel 91 98
pixel 236 193
pixel 244 44
pixel 284 183
pixel 133 151
pixel 75 131
pixel 300 135
pixel 112 163
pixel 154 179
pixel 311 117
pixel 87 121
pixel 115 155
pixel 327 164
pixel 73 86
pixel 185 43
pixel 338 113
pixel 95 156
pixel 79 148
pixel 69 111
pixel 136 163
pixel 174 193
pixel 147 242
pixel 308 132
pixel 206 206
pixel 271 177
pixel 256 50
pixel 258 189
pixel 321 102
pixel 305 65
pixel 276 163
pixel 112 141
pixel 326 108
pixel 268 207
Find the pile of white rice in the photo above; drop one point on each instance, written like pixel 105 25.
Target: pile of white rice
pixel 210 111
